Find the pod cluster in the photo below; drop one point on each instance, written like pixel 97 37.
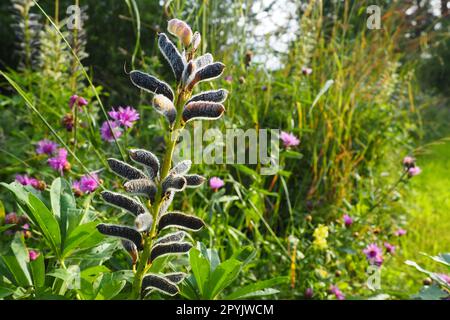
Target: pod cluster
pixel 141 184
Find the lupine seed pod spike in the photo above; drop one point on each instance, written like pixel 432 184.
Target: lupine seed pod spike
pixel 173 182
pixel 180 220
pixel 203 60
pixel 181 167
pixel 159 283
pixel 173 57
pixel 208 72
pixel 175 277
pixel 172 237
pixel 202 110
pixel 123 202
pixel 125 170
pixel 194 180
pixel 170 248
pixel 211 96
pixel 180 29
pixel 147 159
pixel 165 106
pixel 143 222
pixel 141 187
pixel 122 232
pixel 151 84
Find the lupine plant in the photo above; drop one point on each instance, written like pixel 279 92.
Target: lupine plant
pixel 152 187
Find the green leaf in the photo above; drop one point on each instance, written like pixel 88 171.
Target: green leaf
pixel 5 292
pixel 200 269
pixel 38 271
pixel 46 222
pixel 110 285
pixel 20 252
pixel 62 200
pixel 84 236
pixel 258 289
pixel 432 293
pixel 222 277
pixel 2 213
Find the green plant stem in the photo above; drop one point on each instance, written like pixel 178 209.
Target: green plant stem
pixel 167 163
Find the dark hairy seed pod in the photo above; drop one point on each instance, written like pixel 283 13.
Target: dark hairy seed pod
pixel 175 277
pixel 125 170
pixel 181 167
pixel 208 72
pixel 159 283
pixel 172 237
pixel 165 203
pixel 123 202
pixel 149 83
pixel 131 248
pixel 164 249
pixel 194 180
pixel 173 183
pixel 141 187
pixel 146 158
pixel 212 96
pixel 164 106
pixel 202 110
pixel 180 220
pixel 121 232
pixel 170 52
pixel 188 72
pixel 143 222
pixel 203 60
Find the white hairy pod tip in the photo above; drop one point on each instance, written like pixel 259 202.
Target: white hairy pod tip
pixel 181 30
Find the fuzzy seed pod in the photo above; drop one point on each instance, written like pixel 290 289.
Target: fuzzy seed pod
pixel 208 72
pixel 165 249
pixel 131 248
pixel 172 237
pixel 175 277
pixel 188 72
pixel 166 202
pixel 181 30
pixel 121 232
pixel 211 96
pixel 154 282
pixel 173 183
pixel 196 39
pixel 146 158
pixel 203 60
pixel 194 180
pixel 125 170
pixel 141 187
pixel 181 167
pixel 180 220
pixel 165 106
pixel 170 52
pixel 202 110
pixel 123 202
pixel 149 83
pixel 143 222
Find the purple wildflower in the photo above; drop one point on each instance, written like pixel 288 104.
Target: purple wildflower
pixel 33 255
pixel 216 183
pixel 89 183
pixel 409 162
pixel 306 71
pixel 25 180
pixel 347 220
pixel 107 134
pixel 338 293
pixel 11 218
pixel 46 146
pixel 309 293
pixel 390 248
pixel 414 171
pixel 76 187
pixel 228 79
pixel 59 162
pixel 400 232
pixel 374 254
pixel 125 116
pixel 80 101
pixel 289 140
pixel 444 277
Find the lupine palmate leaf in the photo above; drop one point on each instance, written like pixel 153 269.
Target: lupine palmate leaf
pixel 212 96
pixel 141 187
pixel 150 83
pixel 143 222
pixel 194 180
pixel 169 248
pixel 180 220
pixel 147 159
pixel 121 232
pixel 202 110
pixel 208 72
pixel 173 57
pixel 175 277
pixel 181 167
pixel 165 106
pixel 155 282
pixel 173 182
pixel 172 237
pixel 125 170
pixel 124 202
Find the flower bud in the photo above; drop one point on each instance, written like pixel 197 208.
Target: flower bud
pixel 181 30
